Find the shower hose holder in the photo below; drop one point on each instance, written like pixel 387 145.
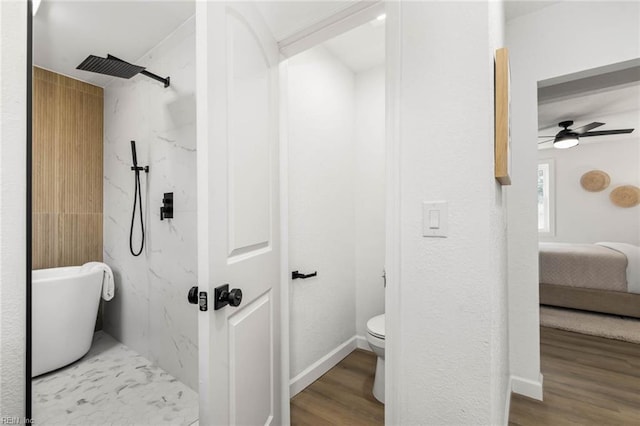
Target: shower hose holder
pixel 140 169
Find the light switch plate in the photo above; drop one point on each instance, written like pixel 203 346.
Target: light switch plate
pixel 438 228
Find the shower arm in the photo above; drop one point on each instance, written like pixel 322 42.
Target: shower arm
pixel 166 81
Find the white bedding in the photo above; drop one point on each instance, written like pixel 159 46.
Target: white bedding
pixel 633 266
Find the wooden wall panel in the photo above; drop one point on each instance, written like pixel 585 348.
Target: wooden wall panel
pixel 44 143
pixel 80 243
pixel 67 170
pixel 45 239
pixel 93 131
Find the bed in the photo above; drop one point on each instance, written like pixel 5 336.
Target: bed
pixel 601 277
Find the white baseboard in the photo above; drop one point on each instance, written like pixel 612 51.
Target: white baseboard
pixel 507 405
pixel 321 366
pixel 362 343
pixel 526 387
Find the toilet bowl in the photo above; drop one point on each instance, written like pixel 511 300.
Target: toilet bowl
pixel 375 337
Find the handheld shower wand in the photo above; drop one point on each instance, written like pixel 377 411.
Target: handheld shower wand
pixel 137 198
pixel 133 154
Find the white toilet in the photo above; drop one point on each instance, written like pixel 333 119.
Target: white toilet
pixel 375 337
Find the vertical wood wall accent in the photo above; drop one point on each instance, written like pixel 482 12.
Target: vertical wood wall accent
pixel 67 170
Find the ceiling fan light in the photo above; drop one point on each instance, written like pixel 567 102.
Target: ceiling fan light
pixel 566 141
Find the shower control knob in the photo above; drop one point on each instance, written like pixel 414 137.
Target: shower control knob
pixel 235 297
pixel 192 297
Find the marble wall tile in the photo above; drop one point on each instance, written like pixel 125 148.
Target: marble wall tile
pixel 150 313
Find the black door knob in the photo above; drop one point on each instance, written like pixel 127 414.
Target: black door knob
pixel 224 297
pixel 235 297
pixel 192 297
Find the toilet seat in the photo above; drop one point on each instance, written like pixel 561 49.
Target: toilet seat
pixel 375 326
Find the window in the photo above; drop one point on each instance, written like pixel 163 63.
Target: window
pixel 546 208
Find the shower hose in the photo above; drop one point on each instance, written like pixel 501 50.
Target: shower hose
pixel 137 199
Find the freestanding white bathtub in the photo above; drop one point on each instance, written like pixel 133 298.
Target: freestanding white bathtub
pixel 64 309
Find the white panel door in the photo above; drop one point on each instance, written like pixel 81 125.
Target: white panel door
pixel 238 214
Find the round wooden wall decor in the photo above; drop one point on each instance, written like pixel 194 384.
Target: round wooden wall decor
pixel 595 181
pixel 625 196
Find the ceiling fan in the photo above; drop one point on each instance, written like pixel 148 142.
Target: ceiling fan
pixel 567 138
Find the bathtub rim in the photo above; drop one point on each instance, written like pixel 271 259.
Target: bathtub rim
pixel 72 275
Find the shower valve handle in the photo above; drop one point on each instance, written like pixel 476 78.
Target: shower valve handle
pixel 166 210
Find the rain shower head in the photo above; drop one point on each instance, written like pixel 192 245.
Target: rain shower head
pixel 109 66
pixel 117 68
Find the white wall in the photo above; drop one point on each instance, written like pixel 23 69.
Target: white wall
pixel 13 136
pixel 369 194
pixel 589 217
pixel 149 312
pixel 449 343
pixel 321 208
pixel 560 39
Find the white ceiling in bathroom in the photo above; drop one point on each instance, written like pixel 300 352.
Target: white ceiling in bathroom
pixel 361 48
pixel 285 18
pixel 516 8
pixel 66 32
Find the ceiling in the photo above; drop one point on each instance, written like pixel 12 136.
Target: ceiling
pixel 607 100
pixel 66 32
pixel 611 97
pixel 617 101
pixel 361 48
pixel 516 8
pixel 285 18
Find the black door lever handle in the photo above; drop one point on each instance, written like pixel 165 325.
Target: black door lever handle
pixel 295 275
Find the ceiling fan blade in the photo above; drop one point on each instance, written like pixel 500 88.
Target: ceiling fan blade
pixel 584 129
pixel 606 132
pixel 547 136
pixel 548 140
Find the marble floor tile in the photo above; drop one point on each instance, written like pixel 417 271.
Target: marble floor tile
pixel 112 385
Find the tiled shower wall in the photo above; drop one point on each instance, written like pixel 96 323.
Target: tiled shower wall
pixel 150 312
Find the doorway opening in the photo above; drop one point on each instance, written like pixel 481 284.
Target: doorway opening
pixel 113 337
pixel 588 222
pixel 335 156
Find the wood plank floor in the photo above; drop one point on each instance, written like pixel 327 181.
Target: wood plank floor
pixel 587 381
pixel 342 396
